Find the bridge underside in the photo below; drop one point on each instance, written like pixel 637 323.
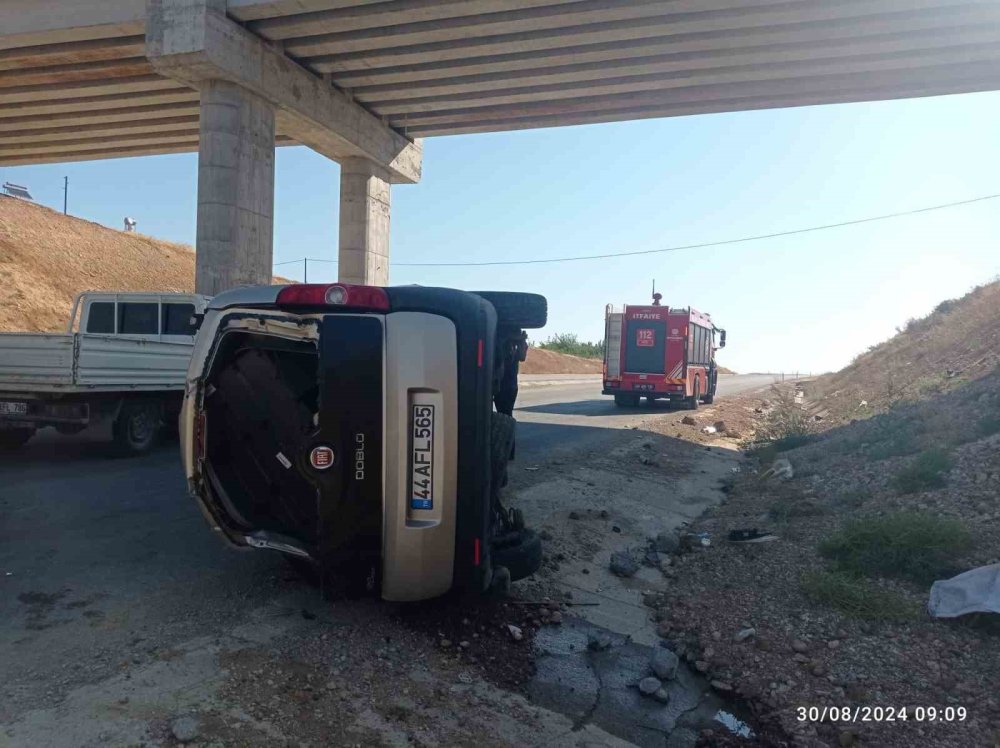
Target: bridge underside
pixel 442 68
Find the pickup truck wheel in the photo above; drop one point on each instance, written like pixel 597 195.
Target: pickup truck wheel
pixel 136 428
pixel 519 551
pixel 522 310
pixel 11 439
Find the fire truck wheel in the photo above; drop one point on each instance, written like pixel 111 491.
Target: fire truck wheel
pixel 696 397
pixel 523 310
pixel 708 399
pixel 627 401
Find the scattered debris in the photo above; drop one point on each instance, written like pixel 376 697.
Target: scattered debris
pixel 185 729
pixel 744 634
pixel 781 469
pixel 689 421
pixel 650 685
pixel 623 564
pixel 974 591
pixel 708 430
pixel 752 535
pixel 664 664
pixel 515 632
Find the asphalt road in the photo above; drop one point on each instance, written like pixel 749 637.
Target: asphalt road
pixel 567 417
pixel 104 561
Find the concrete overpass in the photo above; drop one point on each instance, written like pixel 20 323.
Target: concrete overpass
pixel 361 81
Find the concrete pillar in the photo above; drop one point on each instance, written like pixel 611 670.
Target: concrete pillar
pixel 235 188
pixel 364 223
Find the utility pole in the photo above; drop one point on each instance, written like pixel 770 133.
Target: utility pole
pixel 65 194
pixel 305 270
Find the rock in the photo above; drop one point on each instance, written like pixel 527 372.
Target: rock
pixel 721 685
pixel 818 670
pixel 651 558
pixel 664 664
pixel 185 729
pixel 515 632
pixel 689 421
pixel 799 646
pixel 701 666
pixel 598 642
pixel 545 535
pixel 667 542
pixel 833 644
pixel 464 644
pixel 744 634
pixel 604 512
pixel 651 599
pixel 574 515
pixel 555 618
pixel 663 629
pixel 649 686
pixel 662 695
pixel 720 426
pixel 615 528
pixel 623 564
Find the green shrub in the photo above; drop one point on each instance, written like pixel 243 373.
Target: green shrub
pixel 568 343
pixel 912 545
pixel 786 426
pixel 929 470
pixel 855 597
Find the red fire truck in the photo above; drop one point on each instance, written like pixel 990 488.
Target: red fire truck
pixel 660 353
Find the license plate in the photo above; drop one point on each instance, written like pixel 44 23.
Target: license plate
pixel 14 409
pixel 643 387
pixel 422 456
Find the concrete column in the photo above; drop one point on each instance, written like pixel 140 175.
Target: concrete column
pixel 364 223
pixel 235 188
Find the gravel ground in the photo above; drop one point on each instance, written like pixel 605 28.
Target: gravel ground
pixel 736 612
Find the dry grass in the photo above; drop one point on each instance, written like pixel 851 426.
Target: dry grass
pixel 46 258
pixel 958 342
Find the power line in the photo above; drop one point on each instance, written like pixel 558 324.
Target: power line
pixel 702 245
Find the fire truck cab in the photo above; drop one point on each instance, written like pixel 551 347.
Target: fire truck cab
pixel 660 353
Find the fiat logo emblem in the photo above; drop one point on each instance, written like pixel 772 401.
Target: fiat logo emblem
pixel 321 458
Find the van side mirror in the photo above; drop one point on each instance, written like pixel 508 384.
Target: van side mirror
pixel 722 338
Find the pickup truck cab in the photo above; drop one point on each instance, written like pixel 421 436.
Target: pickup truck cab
pixel 363 432
pixel 122 360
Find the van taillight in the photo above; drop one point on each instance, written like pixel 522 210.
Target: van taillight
pixel 370 298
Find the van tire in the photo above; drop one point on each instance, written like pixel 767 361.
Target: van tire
pixel 520 552
pixel 526 311
pixel 137 427
pixel 11 439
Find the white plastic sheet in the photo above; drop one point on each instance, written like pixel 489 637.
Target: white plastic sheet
pixel 974 591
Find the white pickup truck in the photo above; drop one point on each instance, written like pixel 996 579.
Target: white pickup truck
pixel 122 359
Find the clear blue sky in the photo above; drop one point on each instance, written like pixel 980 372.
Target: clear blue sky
pixel 807 302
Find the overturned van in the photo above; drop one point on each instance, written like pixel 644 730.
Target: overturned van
pixel 364 432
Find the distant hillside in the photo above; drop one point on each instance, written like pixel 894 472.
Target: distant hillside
pixel 958 342
pixel 46 258
pixel 541 361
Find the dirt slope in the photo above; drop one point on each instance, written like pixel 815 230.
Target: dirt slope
pixel 541 361
pixel 955 344
pixel 46 258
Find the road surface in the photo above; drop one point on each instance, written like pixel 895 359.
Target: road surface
pixel 566 417
pixel 106 563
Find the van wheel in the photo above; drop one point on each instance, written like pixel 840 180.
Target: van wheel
pixel 520 552
pixel 523 310
pixel 11 439
pixel 136 427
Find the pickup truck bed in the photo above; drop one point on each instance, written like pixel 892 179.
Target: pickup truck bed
pixel 78 362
